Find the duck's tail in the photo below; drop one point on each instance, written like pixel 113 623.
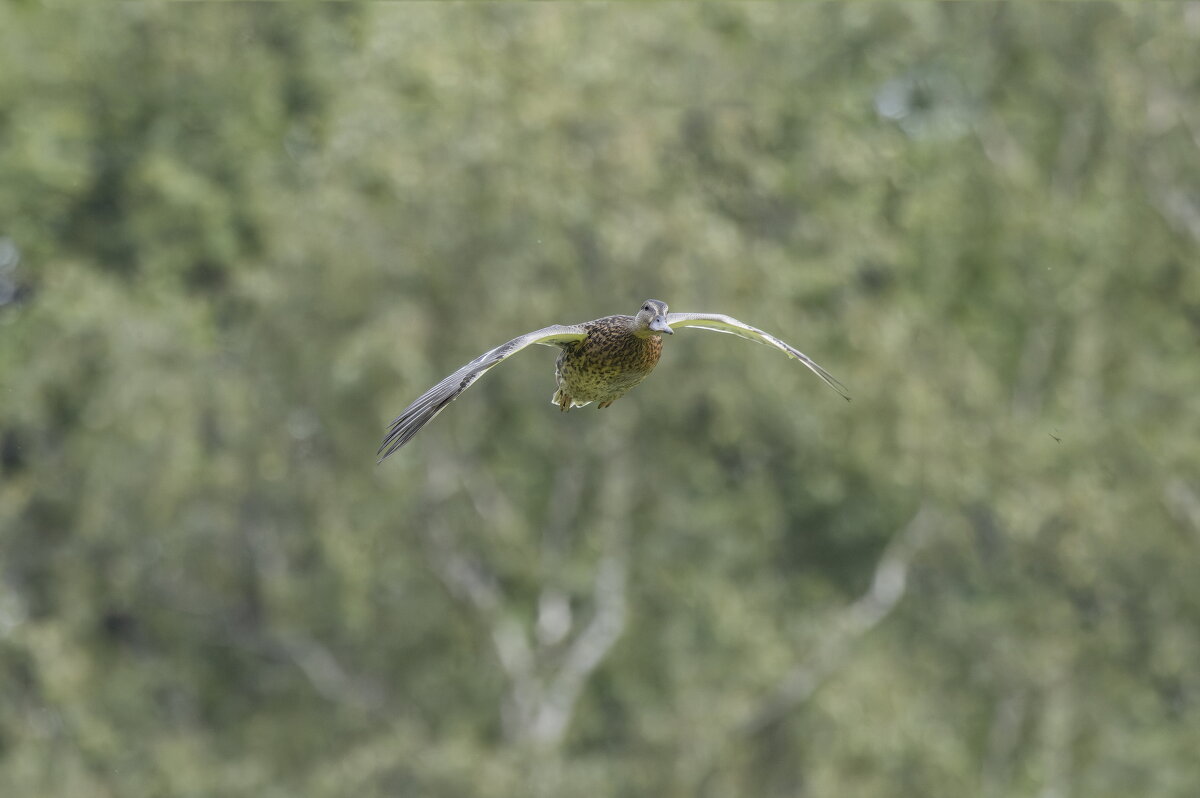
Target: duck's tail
pixel 564 402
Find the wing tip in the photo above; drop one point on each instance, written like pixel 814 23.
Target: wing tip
pixel 385 450
pixel 398 434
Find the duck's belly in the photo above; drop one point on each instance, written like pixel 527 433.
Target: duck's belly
pixel 601 374
pixel 597 385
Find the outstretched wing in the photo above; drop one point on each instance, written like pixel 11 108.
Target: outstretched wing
pixel 433 401
pixel 726 324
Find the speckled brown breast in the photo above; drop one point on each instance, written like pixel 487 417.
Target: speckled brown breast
pixel 606 364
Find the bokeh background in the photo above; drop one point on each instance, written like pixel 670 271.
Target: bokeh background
pixel 236 240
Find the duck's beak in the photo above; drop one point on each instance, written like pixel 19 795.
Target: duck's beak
pixel 659 324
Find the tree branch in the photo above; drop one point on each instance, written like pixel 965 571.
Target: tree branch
pixel 887 588
pixel 543 684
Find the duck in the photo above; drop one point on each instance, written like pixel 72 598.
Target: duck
pixel 600 361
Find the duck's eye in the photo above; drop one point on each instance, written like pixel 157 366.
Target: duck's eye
pixel 645 307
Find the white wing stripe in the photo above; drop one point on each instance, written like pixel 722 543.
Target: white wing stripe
pixel 718 322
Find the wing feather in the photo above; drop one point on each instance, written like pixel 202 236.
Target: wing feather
pixel 426 406
pixel 718 322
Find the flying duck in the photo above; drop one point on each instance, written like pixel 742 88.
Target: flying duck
pixel 600 362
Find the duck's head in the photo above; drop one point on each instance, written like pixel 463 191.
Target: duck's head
pixel 651 319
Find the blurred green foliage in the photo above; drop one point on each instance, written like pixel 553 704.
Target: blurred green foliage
pixel 235 240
